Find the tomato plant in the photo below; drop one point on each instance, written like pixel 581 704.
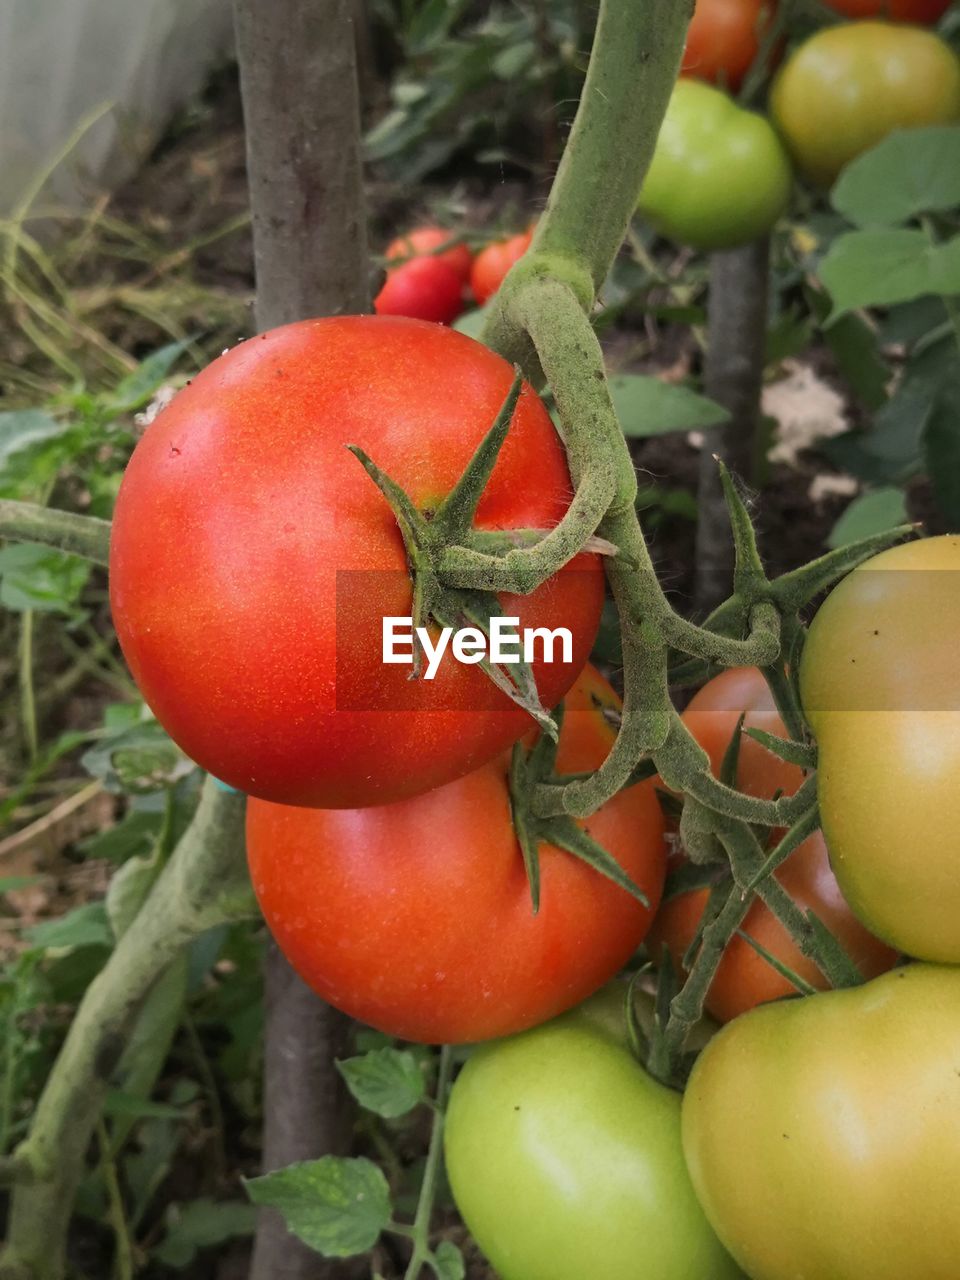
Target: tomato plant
pixel 564 1159
pixel 491 264
pixel 423 289
pixel 719 175
pixel 880 686
pixel 744 978
pixel 265 536
pixel 823 1136
pixel 724 39
pixel 848 86
pixel 423 242
pixel 437 883
pixel 921 12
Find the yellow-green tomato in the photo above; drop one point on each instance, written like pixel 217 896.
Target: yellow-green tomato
pixel 565 1162
pixel 880 685
pixel 848 86
pixel 823 1134
pixel 719 176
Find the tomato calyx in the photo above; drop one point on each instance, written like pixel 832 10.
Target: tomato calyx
pixel 427 535
pixel 529 769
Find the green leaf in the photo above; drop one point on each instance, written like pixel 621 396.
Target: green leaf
pixel 137 388
pixel 119 1103
pixel 337 1206
pixel 24 427
pixel 141 759
pixel 941 446
pixel 471 322
pixel 386 1081
pixel 871 513
pixel 201 1224
pixel 911 171
pixel 17 882
pixel 33 577
pixel 880 268
pixel 128 890
pixel 648 407
pixel 448 1261
pixel 85 926
pixel 856 348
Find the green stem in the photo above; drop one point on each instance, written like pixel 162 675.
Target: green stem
pixel 79 535
pixel 204 884
pixel 633 67
pixel 28 698
pixel 422 1251
pixel 123 1258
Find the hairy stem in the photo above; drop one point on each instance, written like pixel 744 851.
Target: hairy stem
pixel 80 535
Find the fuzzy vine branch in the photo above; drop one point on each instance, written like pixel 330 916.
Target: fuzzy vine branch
pixel 85 536
pixel 204 884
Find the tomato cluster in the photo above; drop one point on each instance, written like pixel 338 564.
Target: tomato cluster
pixel 435 273
pixel 722 175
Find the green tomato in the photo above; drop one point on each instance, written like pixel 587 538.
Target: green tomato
pixel 719 176
pixel 823 1134
pixel 880 686
pixel 849 85
pixel 565 1162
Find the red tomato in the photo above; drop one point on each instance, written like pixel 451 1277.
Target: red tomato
pixel 422 242
pixel 416 917
pixel 423 289
pixel 491 264
pixel 246 537
pixel 922 12
pixel 724 38
pixel 744 979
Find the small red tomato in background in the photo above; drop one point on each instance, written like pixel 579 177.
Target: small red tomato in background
pixel 416 918
pixel 423 242
pixel 491 264
pixel 923 12
pixel 724 38
pixel 423 289
pixel 744 979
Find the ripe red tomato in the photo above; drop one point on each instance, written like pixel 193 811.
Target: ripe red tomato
pixel 922 12
pixel 253 559
pixel 416 917
pixel 423 289
pixel 744 979
pixel 423 242
pixel 724 38
pixel 491 264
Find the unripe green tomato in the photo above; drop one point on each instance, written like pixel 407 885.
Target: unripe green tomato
pixel 848 86
pixel 719 176
pixel 564 1158
pixel 822 1134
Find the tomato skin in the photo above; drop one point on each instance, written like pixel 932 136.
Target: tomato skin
pixel 724 38
pixel 822 1134
pixel 848 86
pixel 423 289
pixel 424 241
pixel 744 979
pixel 881 689
pixel 922 12
pixel 720 175
pixel 491 264
pixel 564 1160
pixel 241 506
pixel 416 917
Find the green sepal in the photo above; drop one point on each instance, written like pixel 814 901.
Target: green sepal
pixel 799 753
pixel 801 984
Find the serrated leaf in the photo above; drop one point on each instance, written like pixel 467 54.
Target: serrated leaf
pixel 136 389
pixel 648 407
pixel 448 1261
pixel 34 577
pixel 911 171
pixel 200 1225
pixel 85 926
pixel 880 268
pixel 24 427
pixel 337 1206
pixel 871 513
pixel 386 1081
